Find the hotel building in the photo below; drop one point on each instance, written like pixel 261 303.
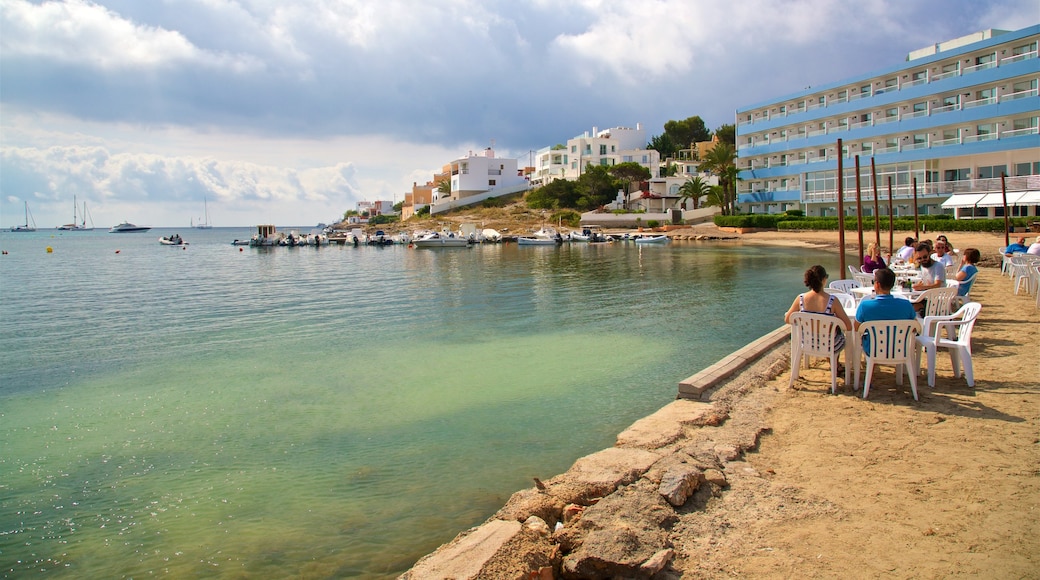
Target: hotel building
pixel 607 147
pixel 953 117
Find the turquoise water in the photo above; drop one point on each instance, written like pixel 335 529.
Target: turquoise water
pixel 330 412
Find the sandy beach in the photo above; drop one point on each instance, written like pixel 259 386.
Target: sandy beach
pixel 889 487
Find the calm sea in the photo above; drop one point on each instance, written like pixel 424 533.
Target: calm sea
pixel 332 412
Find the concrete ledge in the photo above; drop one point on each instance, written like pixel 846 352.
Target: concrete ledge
pixel 466 554
pixel 694 387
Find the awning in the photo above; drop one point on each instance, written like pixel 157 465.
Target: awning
pixel 1029 198
pixel 963 200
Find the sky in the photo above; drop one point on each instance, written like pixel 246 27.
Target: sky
pixel 291 112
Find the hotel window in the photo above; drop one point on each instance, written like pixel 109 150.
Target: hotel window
pixel 992 171
pixel 843 96
pixel 574 148
pixel 986 59
pixel 1027 168
pixel 867 147
pixel 984 94
pixel 892 144
pixel 985 129
pixel 866 118
pixel 890 113
pixel 783 184
pixel 1023 49
pixel 783 160
pixel 646 159
pixel 956 174
pixel 920 139
pixel 952 67
pixel 920 109
pixel 951 101
pixel 865 90
pixel 783 134
pixel 1027 123
pixel 783 109
pixel 626 158
pixel 801 105
pixel 919 76
pixel 1023 86
pixel 951 135
pixel 602 149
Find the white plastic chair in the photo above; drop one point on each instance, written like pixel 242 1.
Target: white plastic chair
pixel 865 280
pixel 957 327
pixel 891 344
pixel 854 270
pixel 1019 270
pixel 843 285
pixel 812 335
pixel 848 301
pixel 962 299
pixel 938 301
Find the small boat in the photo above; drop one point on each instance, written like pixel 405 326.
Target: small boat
pixel 542 237
pixel 436 240
pixel 76 225
pixel 128 228
pixel 660 239
pixel 174 240
pixel 26 227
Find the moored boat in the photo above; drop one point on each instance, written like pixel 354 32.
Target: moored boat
pixel 659 239
pixel 128 228
pixel 28 218
pixel 436 240
pixel 174 240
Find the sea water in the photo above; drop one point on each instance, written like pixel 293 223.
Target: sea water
pixel 218 411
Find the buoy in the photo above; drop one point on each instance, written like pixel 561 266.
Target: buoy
pixel 117 251
pixel 50 250
pixel 240 249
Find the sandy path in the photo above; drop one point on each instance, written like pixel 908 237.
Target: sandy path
pixel 889 487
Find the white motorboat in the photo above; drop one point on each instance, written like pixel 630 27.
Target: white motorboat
pixel 128 228
pixel 542 237
pixel 660 239
pixel 28 218
pixel 436 240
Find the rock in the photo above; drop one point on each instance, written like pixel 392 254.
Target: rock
pixel 599 474
pixel 679 483
pixel 666 426
pixel 464 556
pixel 637 514
pixel 572 513
pixel 657 562
pixel 531 502
pixel 538 525
pixel 728 452
pixel 715 477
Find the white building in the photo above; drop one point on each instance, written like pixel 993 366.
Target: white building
pixel 605 148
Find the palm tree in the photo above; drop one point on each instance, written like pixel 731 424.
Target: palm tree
pixel 695 188
pixel 722 161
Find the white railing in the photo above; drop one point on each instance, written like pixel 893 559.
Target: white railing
pixel 914 83
pixel 916 114
pixel 978 67
pixel 884 120
pixel 1019 132
pixel 816 132
pixel 947 108
pixel 915 146
pixel 859 96
pixel 1019 95
pixel 945 75
pixel 980 137
pixel 980 102
pixel 945 142
pixel 888 149
pixel 1018 57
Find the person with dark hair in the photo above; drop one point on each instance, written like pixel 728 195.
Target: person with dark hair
pixel 907 251
pixel 969 258
pixel 933 274
pixel 816 301
pixel 883 306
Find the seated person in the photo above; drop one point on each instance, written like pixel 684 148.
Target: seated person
pixel 883 306
pixel 942 254
pixel 933 274
pixel 1018 247
pixel 968 269
pixel 816 301
pixel 872 260
pixel 1034 248
pixel 906 253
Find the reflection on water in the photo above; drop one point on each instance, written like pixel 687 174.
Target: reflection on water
pixel 328 412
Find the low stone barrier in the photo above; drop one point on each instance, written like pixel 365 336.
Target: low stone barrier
pixel 610 514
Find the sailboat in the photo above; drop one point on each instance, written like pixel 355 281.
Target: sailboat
pixel 203 225
pixel 26 227
pixel 77 226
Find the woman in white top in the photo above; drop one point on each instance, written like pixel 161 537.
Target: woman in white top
pixel 1034 248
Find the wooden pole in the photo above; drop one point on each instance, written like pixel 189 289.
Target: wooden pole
pixel 859 212
pixel 841 214
pixel 877 215
pixel 891 221
pixel 917 224
pixel 1007 220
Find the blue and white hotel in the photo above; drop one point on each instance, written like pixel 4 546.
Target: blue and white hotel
pixel 954 116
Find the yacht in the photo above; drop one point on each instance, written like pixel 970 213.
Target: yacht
pixel 127 227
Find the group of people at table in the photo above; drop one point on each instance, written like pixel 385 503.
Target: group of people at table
pixel 929 263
